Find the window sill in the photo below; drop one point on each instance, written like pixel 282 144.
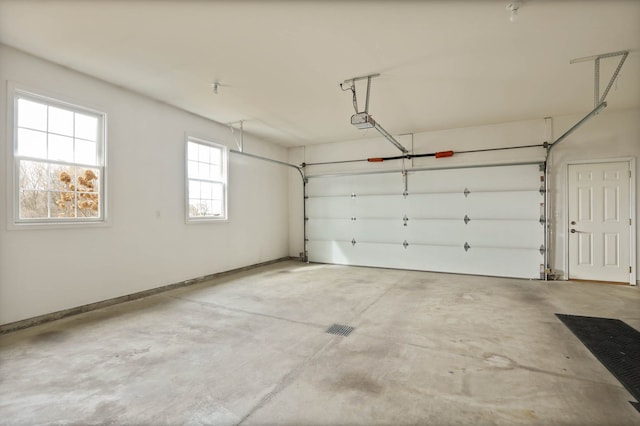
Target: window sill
pixel 21 226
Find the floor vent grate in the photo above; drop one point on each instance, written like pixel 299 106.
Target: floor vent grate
pixel 340 330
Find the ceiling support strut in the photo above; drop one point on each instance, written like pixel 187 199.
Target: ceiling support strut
pixel 239 144
pixel 597 99
pixel 595 111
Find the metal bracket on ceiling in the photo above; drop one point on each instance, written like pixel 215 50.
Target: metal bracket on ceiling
pixel 597 99
pixel 239 144
pixel 352 87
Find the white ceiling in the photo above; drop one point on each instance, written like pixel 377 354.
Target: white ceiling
pixel 443 64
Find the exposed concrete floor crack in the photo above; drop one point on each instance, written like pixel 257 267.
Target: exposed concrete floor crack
pixel 287 380
pixel 512 364
pixel 228 308
pixel 377 299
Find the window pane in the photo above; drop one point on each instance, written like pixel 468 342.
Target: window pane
pixel 32 143
pixel 60 148
pixel 197 208
pixel 62 178
pixel 192 151
pixel 193 209
pixel 33 205
pixel 32 115
pixel 63 204
pixel 216 155
pixel 60 121
pixel 208 207
pixel 88 204
pixel 206 190
pixel 216 207
pixel 217 191
pixel 203 153
pixel 203 171
pixel 87 180
pixel 215 172
pixel 86 152
pixel 193 169
pixel 33 175
pixel 194 189
pixel 86 127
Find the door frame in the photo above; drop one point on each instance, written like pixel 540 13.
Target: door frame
pixel 632 211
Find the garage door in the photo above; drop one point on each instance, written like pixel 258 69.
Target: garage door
pixel 480 220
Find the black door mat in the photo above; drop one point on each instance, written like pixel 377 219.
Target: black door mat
pixel 614 343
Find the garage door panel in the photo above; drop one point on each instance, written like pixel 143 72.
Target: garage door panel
pixel 519 263
pixel 504 205
pixel 476 179
pixel 513 263
pixel 505 233
pixel 436 206
pixel 436 232
pixel 381 183
pixel 330 229
pixel 330 251
pixel 334 186
pixel 381 230
pixel 386 206
pixel 329 207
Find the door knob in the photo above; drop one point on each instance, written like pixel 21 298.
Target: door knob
pixel 573 222
pixel 573 231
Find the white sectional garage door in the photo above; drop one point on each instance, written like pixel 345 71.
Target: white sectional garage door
pixel 481 220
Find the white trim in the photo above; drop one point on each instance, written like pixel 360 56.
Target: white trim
pixel 225 174
pixel 633 280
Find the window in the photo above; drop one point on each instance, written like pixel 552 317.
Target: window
pixel 206 180
pixel 59 161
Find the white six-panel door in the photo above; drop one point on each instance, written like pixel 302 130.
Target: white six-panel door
pixel 484 220
pixel 599 226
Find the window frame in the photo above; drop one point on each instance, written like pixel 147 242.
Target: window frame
pixel 224 159
pixel 14 160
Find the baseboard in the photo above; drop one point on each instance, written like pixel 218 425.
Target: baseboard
pixel 41 319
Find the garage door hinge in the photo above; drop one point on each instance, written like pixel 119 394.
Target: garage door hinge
pixel 466 246
pixel 629 269
pixel 542 249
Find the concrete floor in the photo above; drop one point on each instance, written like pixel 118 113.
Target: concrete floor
pixel 251 348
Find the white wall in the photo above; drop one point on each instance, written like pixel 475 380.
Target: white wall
pixel 611 134
pixel 146 243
